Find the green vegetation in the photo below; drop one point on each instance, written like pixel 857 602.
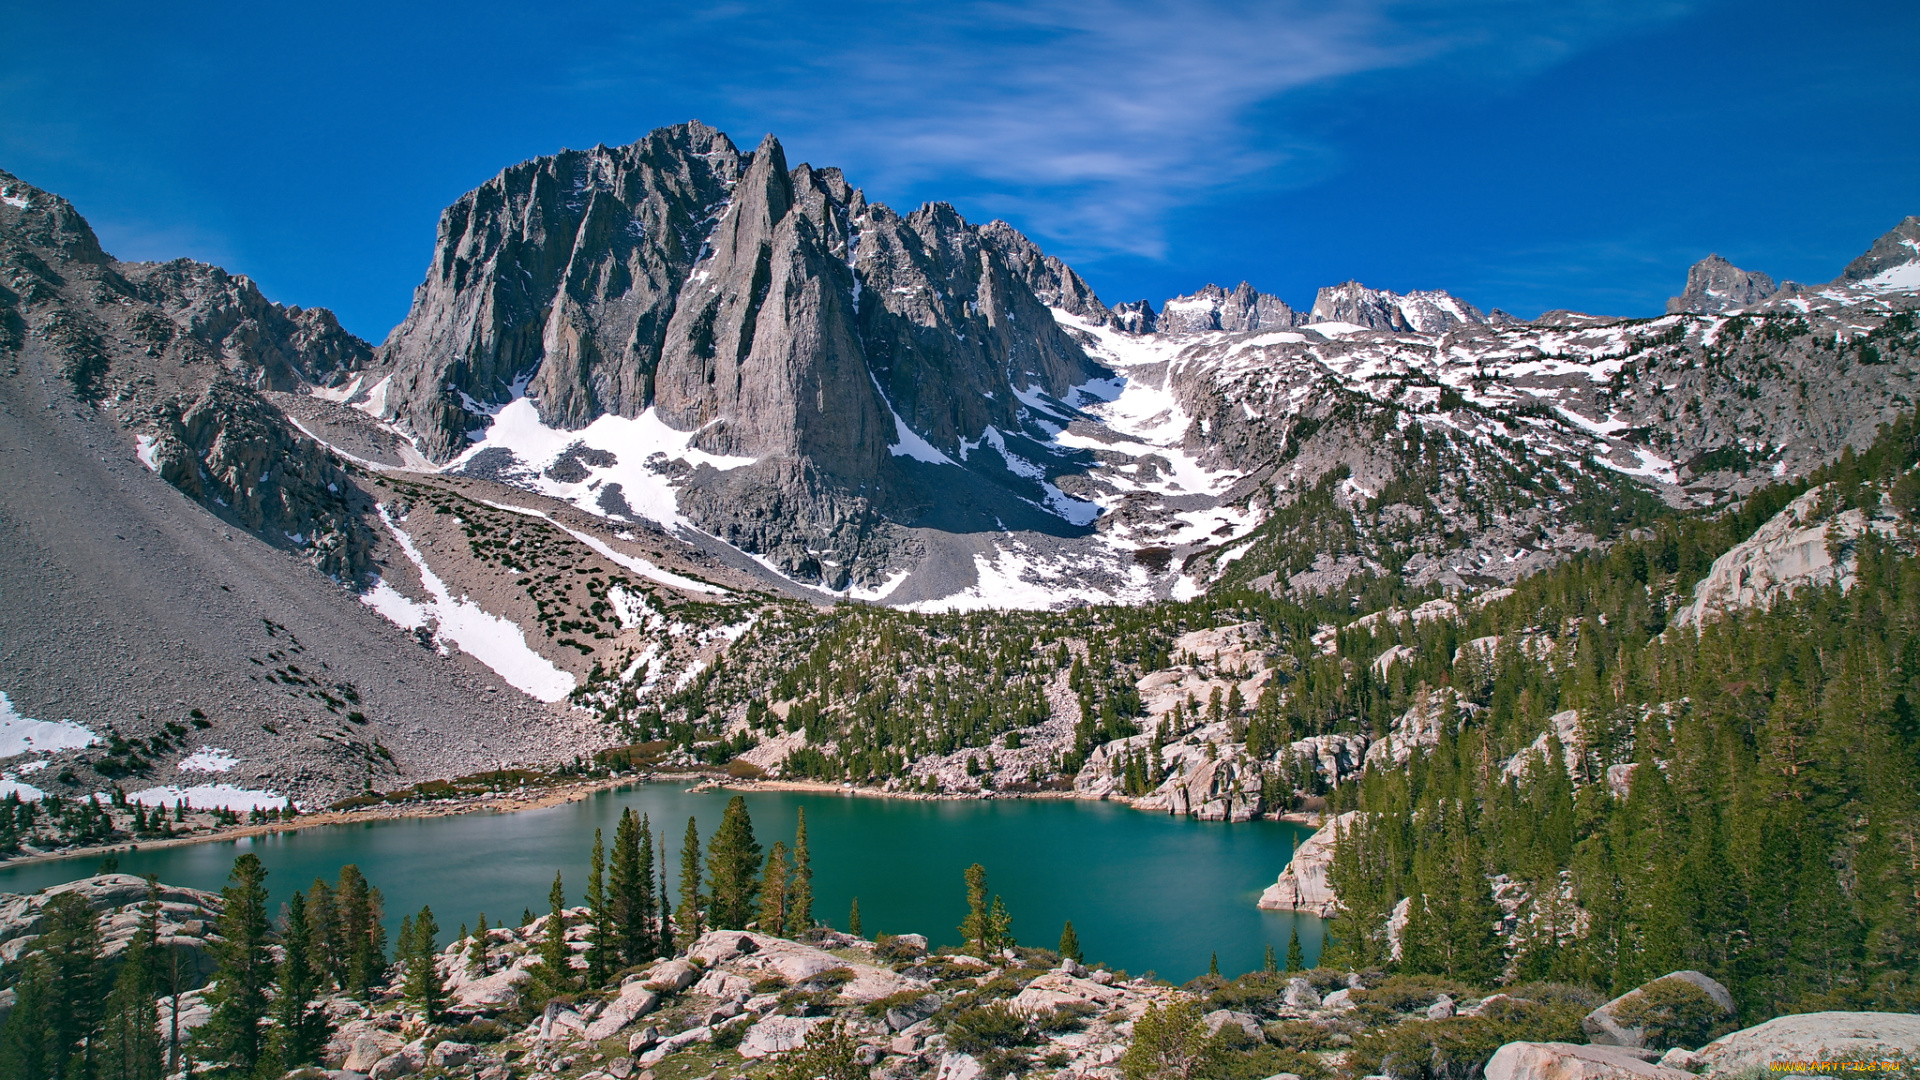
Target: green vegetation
pixel 1743 800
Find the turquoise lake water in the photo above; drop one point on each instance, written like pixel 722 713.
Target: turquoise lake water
pixel 1146 892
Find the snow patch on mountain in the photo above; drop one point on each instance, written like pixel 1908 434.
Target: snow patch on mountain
pixel 208 759
pixel 490 639
pixel 640 449
pixel 210 797
pixel 25 735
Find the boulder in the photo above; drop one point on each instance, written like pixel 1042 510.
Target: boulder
pixel 1682 1058
pixel 1300 995
pixel 362 1047
pixel 670 976
pixel 778 1034
pixel 1821 1036
pixel 1441 1008
pixel 1220 1018
pixel 1339 1001
pixel 640 1040
pixel 750 957
pixel 557 1020
pixel 500 990
pixel 635 1001
pixel 959 1067
pixel 1604 1027
pixel 902 1017
pixel 676 1044
pixel 394 1066
pixel 1570 1061
pixel 450 1055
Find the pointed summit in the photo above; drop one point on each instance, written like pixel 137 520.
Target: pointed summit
pixel 1893 262
pixel 1715 285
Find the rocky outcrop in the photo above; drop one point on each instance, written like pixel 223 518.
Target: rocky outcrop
pixel 1303 884
pixel 1571 1061
pixel 182 351
pixel 186 919
pixel 1795 548
pixel 1715 285
pixel 1813 1037
pixel 1613 1024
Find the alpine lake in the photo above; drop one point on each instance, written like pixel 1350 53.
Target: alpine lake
pixel 1146 892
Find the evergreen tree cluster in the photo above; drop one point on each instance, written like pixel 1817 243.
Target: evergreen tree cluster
pixel 1741 798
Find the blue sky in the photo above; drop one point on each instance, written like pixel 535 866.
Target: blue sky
pixel 1524 155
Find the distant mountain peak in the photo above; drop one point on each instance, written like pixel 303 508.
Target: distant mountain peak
pixel 1242 309
pixel 1715 285
pixel 1898 249
pixel 1426 311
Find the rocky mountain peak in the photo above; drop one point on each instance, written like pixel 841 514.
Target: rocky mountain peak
pixel 1420 311
pixel 44 220
pixel 1715 285
pixel 1899 248
pixel 1214 308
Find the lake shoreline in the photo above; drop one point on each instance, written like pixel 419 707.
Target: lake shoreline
pixel 574 791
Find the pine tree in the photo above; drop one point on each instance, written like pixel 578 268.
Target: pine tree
pixel 687 921
pixel 975 929
pixel 1296 956
pixel 71 946
pixel 130 1042
pixel 800 887
pixel 733 869
pixel 664 945
pixel 853 918
pixel 363 939
pixel 630 883
pixel 477 949
pixel 774 894
pixel 424 988
pixel 556 959
pixel 245 968
pixel 1213 959
pixel 999 927
pixel 28 1046
pixel 300 1025
pixel 601 946
pixel 327 954
pixel 1267 963
pixel 1070 943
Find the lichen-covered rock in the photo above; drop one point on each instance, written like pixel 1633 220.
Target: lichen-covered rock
pixel 1571 1061
pixel 1813 1037
pixel 1609 1024
pixel 778 1034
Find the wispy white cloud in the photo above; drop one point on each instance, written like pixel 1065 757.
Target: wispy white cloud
pixel 1093 120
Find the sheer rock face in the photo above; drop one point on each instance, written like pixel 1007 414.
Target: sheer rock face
pixel 772 310
pixel 562 269
pixel 1715 285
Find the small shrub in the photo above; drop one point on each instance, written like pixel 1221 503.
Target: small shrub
pixel 979 1029
pixel 1067 1016
pixel 1299 1035
pixel 1406 993
pixel 479 1031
